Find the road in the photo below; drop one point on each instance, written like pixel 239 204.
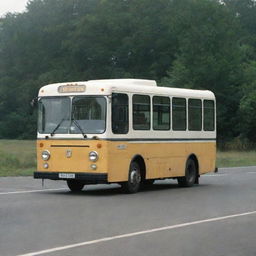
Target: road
pixel 218 217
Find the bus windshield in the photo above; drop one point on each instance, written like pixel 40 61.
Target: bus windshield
pixel 72 115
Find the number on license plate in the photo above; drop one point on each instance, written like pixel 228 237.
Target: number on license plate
pixel 66 175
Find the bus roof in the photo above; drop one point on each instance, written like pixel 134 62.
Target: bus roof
pixel 107 86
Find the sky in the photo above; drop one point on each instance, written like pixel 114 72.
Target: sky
pixel 12 6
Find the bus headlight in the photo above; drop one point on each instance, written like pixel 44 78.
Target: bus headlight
pixel 93 156
pixel 46 155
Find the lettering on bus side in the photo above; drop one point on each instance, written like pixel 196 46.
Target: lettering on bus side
pixel 121 146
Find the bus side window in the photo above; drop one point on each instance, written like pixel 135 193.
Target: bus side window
pixel 209 115
pixel 161 113
pixel 120 116
pixel 141 112
pixel 194 115
pixel 179 114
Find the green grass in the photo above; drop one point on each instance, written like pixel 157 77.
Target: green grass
pixel 236 158
pixel 18 158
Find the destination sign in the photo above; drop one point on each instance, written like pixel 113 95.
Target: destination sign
pixel 69 88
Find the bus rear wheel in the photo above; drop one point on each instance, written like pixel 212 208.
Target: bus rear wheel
pixel 190 174
pixel 75 185
pixel 134 180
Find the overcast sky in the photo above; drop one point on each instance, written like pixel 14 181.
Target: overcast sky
pixel 12 6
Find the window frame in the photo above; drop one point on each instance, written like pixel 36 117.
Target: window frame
pixel 201 119
pixel 128 116
pixel 153 124
pixel 91 96
pixel 186 111
pixel 150 112
pixel 214 115
pixel 38 115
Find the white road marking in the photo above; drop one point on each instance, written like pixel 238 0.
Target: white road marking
pixel 240 167
pixel 110 238
pixel 31 191
pixel 213 175
pixel 227 174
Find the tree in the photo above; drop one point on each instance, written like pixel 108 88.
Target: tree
pixel 248 103
pixel 201 44
pixel 209 57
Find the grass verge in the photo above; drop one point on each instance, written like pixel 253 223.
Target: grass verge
pixel 236 158
pixel 17 157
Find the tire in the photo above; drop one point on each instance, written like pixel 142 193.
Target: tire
pixel 190 174
pixel 134 180
pixel 75 185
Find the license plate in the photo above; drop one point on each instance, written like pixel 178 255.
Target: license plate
pixel 67 175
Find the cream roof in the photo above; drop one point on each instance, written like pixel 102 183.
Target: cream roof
pixel 106 87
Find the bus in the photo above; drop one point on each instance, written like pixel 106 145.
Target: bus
pixel 126 131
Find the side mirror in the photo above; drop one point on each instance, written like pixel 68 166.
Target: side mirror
pixel 33 105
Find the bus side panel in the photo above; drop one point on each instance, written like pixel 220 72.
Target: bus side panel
pixel 169 160
pixel 207 157
pixel 119 155
pixel 166 160
pixel 205 153
pixel 156 156
pixel 162 160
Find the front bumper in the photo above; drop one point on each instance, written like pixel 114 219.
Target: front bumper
pixel 87 178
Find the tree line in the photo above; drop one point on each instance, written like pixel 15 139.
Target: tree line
pixel 199 44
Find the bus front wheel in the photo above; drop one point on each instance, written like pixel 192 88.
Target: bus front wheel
pixel 134 179
pixel 190 174
pixel 75 185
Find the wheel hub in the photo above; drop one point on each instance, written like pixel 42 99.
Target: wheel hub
pixel 135 177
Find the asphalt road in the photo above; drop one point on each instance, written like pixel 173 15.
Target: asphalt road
pixel 216 218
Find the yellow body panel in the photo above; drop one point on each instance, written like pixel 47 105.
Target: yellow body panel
pixel 79 160
pixel 162 159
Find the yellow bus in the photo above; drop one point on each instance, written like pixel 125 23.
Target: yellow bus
pixel 126 131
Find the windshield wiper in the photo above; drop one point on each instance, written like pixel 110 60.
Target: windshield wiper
pixel 78 126
pixel 58 125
